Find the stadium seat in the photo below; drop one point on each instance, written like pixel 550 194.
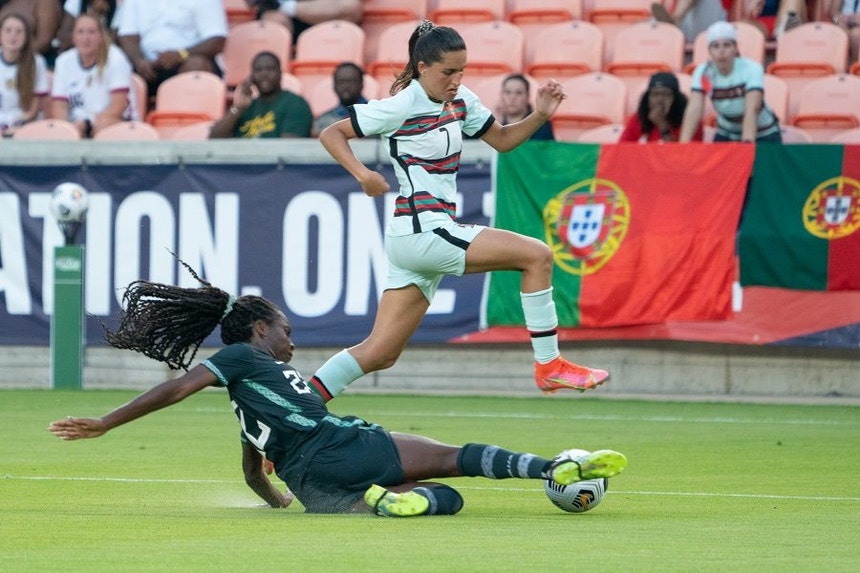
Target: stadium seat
pixel 128 131
pixel 533 16
pixel 809 51
pixel 378 15
pixel 593 99
pixel 643 49
pixel 494 48
pixel 751 44
pixel 457 12
pixel 776 96
pixel 193 132
pixel 612 16
pixel 186 98
pixel 56 129
pixel 850 136
pixel 245 41
pixel 609 133
pixel 322 47
pixel 291 83
pixel 238 12
pixel 566 50
pixel 829 105
pixel 391 55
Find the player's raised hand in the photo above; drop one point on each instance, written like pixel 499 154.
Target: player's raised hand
pixel 77 428
pixel 549 96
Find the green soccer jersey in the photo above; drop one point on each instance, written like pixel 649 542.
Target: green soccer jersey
pixel 279 413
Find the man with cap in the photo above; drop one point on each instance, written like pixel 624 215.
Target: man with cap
pixel 736 87
pixel 660 112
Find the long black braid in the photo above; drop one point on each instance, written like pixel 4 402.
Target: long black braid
pixel 169 323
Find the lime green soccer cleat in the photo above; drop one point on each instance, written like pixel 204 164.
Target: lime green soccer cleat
pixel 390 504
pixel 599 464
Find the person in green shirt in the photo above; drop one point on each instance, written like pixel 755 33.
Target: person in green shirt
pixel 274 112
pixel 331 463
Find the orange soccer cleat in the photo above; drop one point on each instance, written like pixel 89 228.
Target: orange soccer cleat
pixel 560 374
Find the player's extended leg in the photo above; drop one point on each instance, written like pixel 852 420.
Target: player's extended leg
pixel 424 458
pixel 399 313
pixel 497 249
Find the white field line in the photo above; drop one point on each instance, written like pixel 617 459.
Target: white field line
pixel 473 488
pixel 593 418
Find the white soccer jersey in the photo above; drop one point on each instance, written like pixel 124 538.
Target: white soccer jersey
pixel 728 95
pixel 165 25
pixel 88 90
pixel 424 140
pixel 10 103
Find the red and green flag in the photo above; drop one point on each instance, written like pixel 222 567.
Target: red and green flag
pixel 801 225
pixel 640 233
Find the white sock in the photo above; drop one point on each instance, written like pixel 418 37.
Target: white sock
pixel 288 7
pixel 542 323
pixel 338 372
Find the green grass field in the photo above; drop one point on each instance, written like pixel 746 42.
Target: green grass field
pixel 710 487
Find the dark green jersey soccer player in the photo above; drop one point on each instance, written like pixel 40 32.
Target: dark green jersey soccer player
pixel 329 462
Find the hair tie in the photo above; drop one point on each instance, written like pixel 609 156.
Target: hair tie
pixel 425 27
pixel 230 300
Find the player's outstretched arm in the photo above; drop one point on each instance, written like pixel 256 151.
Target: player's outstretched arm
pixel 161 396
pixel 258 481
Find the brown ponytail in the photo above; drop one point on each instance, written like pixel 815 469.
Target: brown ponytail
pixel 429 44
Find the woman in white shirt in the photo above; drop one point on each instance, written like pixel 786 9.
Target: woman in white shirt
pixel 23 75
pixel 92 80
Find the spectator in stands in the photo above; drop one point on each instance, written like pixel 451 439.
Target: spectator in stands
pixel 165 37
pixel 92 80
pixel 273 113
pixel 42 17
pixel 736 87
pixel 105 10
pixel 775 16
pixel 846 15
pixel 298 15
pixel 660 112
pixel 515 105
pixel 348 80
pixel 23 75
pixel 692 16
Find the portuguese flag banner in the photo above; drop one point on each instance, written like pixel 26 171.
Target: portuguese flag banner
pixel 640 233
pixel 801 225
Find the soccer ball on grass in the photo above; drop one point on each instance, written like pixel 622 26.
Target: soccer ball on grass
pixel 577 497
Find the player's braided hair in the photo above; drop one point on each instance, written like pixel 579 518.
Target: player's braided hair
pixel 168 323
pixel 429 44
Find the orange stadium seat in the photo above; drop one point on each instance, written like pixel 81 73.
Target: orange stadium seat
pixel 494 48
pixel 128 131
pixel 612 16
pixel 751 44
pixel 187 98
pixel 776 96
pixel 380 14
pixel 828 106
pixel 245 41
pixel 139 96
pixel 792 134
pixel 238 12
pixel 391 55
pixel 457 12
pixel 593 99
pixel 643 49
pixel 567 49
pixel 850 136
pixel 533 16
pixel 192 132
pixel 56 129
pixel 323 46
pixel 291 83
pixel 809 51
